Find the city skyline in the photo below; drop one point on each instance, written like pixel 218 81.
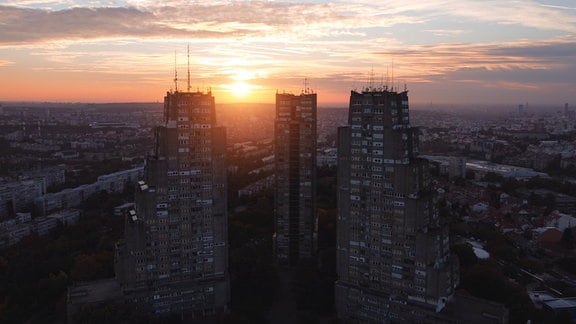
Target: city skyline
pixel 245 51
pixel 199 241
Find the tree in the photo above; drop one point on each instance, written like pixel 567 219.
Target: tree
pixel 465 254
pixel 493 177
pixel 567 240
pixel 486 280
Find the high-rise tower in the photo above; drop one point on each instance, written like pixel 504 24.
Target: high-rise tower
pixel 295 156
pixel 175 255
pixel 393 258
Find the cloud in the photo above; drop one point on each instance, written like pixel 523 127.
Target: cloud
pixel 518 76
pixel 22 25
pixel 558 7
pixel 5 63
pixel 284 21
pixel 551 50
pixel 491 56
pixel 335 43
pixel 30 3
pixel 445 32
pixel 527 13
pixel 174 19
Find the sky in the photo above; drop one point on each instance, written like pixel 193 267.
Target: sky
pixel 441 51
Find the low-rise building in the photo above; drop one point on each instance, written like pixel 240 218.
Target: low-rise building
pixel 560 220
pixel 66 217
pixel 92 293
pixel 113 183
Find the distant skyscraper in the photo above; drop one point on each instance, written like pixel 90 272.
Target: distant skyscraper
pixel 175 255
pixel 568 113
pixel 295 156
pixel 393 258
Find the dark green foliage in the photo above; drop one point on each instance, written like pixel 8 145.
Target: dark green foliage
pixel 465 255
pixel 326 192
pixel 314 290
pixel 500 248
pixel 113 313
pixel 568 264
pixel 326 187
pixel 486 280
pixel 253 276
pixel 493 177
pixel 88 266
pixel 533 265
pixel 568 240
pixel 35 273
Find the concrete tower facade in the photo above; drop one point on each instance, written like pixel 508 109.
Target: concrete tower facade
pixel 393 259
pixel 175 256
pixel 295 158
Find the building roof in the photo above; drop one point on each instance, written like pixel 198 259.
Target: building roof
pixel 561 303
pixel 94 291
pixel 548 234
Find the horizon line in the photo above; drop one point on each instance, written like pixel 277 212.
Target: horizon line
pixel 323 105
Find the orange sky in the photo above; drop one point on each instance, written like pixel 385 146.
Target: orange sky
pixel 445 51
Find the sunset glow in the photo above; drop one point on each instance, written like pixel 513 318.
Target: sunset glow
pixel 240 90
pixel 455 51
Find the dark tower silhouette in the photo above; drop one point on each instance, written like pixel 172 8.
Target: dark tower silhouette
pixel 295 156
pixel 175 256
pixel 393 259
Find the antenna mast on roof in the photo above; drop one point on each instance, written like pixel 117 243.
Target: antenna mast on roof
pixel 387 77
pixel 392 75
pixel 371 79
pixel 305 90
pixel 188 67
pixel 175 73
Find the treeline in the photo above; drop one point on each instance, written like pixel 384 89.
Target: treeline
pixel 35 273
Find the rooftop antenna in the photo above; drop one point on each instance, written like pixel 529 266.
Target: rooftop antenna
pixel 175 73
pixel 188 67
pixel 392 74
pixel 305 90
pixel 387 77
pixel 371 78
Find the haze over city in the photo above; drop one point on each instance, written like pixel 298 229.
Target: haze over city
pixel 446 51
pixel 287 162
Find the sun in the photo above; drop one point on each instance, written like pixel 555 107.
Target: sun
pixel 241 89
pixel 242 84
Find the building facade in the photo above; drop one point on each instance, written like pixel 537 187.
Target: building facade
pixel 72 197
pixel 393 259
pixel 174 258
pixel 295 163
